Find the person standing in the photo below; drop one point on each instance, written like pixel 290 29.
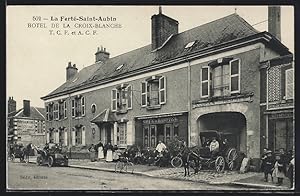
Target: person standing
pixel 109 152
pixel 99 149
pixel 160 147
pixel 268 164
pixel 263 159
pixel 290 172
pixel 279 169
pixel 214 147
pixel 92 153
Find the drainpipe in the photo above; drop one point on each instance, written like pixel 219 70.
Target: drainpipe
pixel 189 100
pixel 267 104
pixel 69 120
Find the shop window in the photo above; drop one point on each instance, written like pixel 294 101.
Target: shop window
pixel 289 84
pixel 122 134
pixel 221 78
pixel 153 91
pixel 121 98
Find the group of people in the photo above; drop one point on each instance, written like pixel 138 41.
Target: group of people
pixel 278 165
pixel 107 152
pixel 214 145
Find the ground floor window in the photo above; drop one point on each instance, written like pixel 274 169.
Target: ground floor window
pixel 122 134
pixel 78 137
pixel 51 136
pixel 159 132
pixel 61 137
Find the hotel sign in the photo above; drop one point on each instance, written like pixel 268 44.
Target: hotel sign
pixel 160 120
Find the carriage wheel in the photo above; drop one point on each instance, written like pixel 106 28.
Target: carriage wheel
pixel 220 164
pixel 119 166
pixel 50 161
pixel 231 157
pixel 129 167
pixel 176 162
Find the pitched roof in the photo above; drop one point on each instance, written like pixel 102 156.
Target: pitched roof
pixel 229 28
pixel 35 113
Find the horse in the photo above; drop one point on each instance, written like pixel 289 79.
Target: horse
pixel 190 156
pixel 26 152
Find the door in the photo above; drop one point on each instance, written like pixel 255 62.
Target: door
pixel 168 133
pixel 161 133
pixel 108 132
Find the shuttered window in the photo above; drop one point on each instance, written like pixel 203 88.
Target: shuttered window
pixel 205 77
pixel 65 109
pixel 56 111
pixel 162 90
pixel 144 94
pixel 129 97
pixel 114 99
pixel 73 108
pixel 289 84
pixel 234 86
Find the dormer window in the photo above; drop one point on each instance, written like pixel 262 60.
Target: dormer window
pixel 120 67
pixel 190 44
pixel 121 98
pixel 153 92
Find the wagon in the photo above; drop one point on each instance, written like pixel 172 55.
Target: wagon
pixel 226 156
pixel 17 151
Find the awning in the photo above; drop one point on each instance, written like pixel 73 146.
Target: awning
pixel 104 117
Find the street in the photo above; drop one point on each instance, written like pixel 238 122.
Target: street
pixel 31 176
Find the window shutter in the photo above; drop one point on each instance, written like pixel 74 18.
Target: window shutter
pixel 114 99
pixel 65 109
pixel 73 108
pixel 205 81
pixel 289 84
pixel 234 83
pixel 82 106
pixel 129 97
pixel 162 90
pixel 144 94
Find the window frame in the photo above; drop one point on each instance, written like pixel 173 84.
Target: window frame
pixel 286 84
pixel 47 112
pixel 114 99
pixel 235 75
pixel 65 109
pixel 56 111
pixel 82 105
pixel 73 108
pixel 205 81
pixel 124 141
pixel 144 93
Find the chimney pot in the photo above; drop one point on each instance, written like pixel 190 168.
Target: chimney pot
pixel 69 64
pixel 101 55
pixel 71 71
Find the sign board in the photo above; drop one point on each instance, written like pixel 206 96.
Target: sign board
pixel 25 126
pixel 160 120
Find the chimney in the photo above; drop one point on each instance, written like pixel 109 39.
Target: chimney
pixel 71 71
pixel 26 108
pixel 162 28
pixel 274 21
pixel 12 105
pixel 101 55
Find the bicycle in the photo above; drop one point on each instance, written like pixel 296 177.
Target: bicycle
pixel 177 160
pixel 124 165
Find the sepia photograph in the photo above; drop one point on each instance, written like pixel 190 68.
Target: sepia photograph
pixel 160 97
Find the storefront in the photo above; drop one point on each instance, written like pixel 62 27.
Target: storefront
pixel 152 129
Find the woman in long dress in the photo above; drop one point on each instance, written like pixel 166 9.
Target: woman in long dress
pixel 100 150
pixel 109 153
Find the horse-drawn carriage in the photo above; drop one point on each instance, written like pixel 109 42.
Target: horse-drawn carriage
pixel 201 157
pixel 20 151
pixel 51 155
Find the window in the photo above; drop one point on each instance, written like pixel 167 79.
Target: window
pixel 122 134
pixel 234 76
pixel 83 135
pixel 205 81
pixel 121 98
pixel 47 112
pixel 93 108
pixel 65 109
pixel 82 106
pixel 78 137
pixel 190 44
pixel 220 78
pixel 153 91
pixel 56 111
pixel 114 99
pixel 73 108
pixel 289 84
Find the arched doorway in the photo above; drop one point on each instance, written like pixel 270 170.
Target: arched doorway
pixel 232 124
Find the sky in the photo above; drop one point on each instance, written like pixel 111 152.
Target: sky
pixel 37 60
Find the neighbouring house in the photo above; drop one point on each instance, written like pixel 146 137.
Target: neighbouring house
pixel 208 77
pixel 26 125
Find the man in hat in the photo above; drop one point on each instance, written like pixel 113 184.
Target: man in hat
pixel 268 165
